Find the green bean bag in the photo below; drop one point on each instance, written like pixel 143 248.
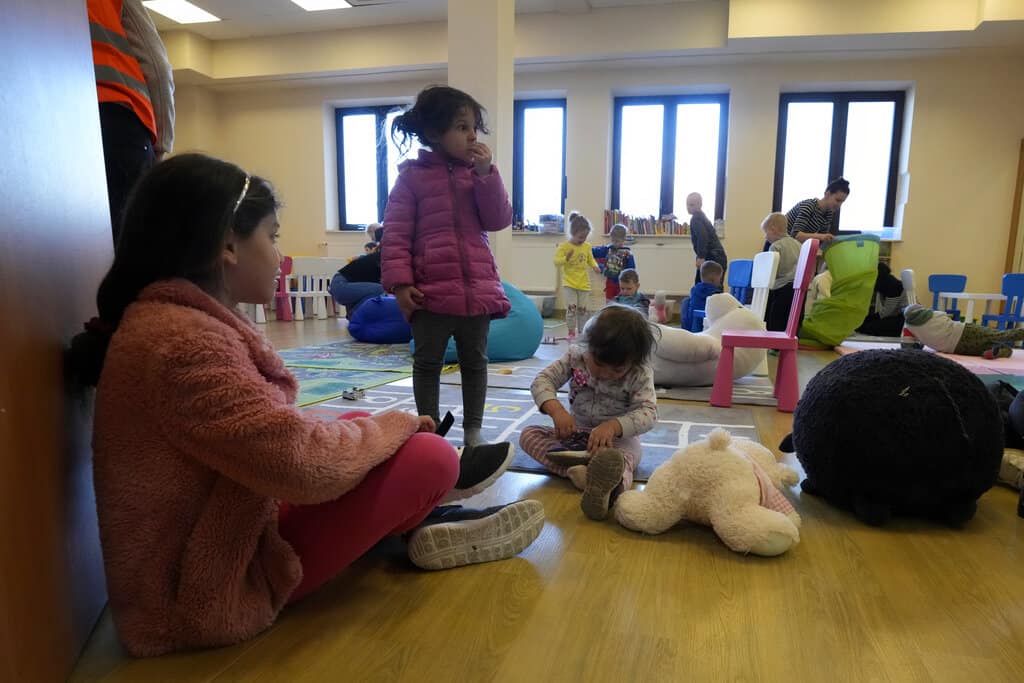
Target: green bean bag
pixel 853 262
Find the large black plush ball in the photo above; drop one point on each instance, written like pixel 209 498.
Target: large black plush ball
pixel 898 432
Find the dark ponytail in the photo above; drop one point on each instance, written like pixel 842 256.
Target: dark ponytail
pixel 432 114
pixel 175 224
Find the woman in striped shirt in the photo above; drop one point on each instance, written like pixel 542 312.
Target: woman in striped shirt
pixel 819 218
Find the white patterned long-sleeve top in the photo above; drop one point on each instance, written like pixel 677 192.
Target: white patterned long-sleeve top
pixel 630 400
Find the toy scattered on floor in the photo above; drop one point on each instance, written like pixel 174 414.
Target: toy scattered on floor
pixel 729 484
pixel 684 359
pixel 355 394
pixel 937 330
pixel 657 312
pixel 898 432
pixel 505 371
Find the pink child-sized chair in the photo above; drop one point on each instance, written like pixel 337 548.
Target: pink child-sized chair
pixel 787 386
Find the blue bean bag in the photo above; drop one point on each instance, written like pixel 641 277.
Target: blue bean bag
pixel 514 337
pixel 379 321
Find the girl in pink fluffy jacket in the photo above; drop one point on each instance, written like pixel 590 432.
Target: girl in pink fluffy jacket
pixel 435 255
pixel 219 501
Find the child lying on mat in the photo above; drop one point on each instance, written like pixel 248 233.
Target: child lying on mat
pixel 937 330
pixel 611 395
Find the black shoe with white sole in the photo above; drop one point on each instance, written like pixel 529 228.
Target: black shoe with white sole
pixel 456 536
pixel 479 467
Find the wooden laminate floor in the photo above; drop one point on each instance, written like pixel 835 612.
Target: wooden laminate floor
pixel 591 601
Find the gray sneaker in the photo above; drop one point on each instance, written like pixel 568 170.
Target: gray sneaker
pixel 457 536
pixel 604 481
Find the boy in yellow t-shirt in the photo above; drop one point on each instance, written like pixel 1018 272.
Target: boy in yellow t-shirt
pixel 574 257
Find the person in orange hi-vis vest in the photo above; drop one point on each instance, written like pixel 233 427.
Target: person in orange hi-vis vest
pixel 135 87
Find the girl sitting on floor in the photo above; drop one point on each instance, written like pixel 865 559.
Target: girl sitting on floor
pixel 219 502
pixel 611 396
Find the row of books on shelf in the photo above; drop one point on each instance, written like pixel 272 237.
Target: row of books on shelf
pixel 636 225
pixel 645 225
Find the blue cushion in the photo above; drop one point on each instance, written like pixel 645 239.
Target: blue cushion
pixel 379 321
pixel 514 337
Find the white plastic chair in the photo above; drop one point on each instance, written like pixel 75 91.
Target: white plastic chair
pixel 766 267
pixel 254 312
pixel 310 279
pixel 907 277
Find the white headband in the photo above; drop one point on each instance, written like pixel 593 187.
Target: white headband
pixel 245 188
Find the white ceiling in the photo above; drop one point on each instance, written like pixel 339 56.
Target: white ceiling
pixel 247 18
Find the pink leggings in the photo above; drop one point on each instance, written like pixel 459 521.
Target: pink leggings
pixel 392 499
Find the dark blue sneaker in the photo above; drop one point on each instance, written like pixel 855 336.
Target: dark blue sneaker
pixel 479 467
pixel 571 451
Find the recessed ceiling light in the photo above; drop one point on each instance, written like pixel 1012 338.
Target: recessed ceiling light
pixel 180 11
pixel 317 5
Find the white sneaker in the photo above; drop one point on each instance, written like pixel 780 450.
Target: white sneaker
pixel 462 536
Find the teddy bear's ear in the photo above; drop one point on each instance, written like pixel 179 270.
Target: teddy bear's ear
pixel 719 439
pixel 787 444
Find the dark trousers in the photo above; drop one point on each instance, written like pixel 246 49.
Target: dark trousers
pixel 127 154
pixel 431 332
pixel 776 315
pixel 882 327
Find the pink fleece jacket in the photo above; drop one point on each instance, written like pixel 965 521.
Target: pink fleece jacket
pixel 435 235
pixel 196 440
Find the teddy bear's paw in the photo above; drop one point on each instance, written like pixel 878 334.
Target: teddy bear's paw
pixel 794 518
pixel 787 476
pixel 638 511
pixel 775 542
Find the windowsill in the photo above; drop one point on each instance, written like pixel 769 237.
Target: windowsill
pixel 886 234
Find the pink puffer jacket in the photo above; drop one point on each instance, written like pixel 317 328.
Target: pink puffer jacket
pixel 435 235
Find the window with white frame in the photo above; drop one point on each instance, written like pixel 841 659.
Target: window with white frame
pixel 856 135
pixel 666 147
pixel 538 159
pixel 367 163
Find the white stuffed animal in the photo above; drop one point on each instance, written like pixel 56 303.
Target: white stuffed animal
pixel 728 484
pixel 684 359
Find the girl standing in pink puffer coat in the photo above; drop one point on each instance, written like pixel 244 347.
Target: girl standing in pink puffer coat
pixel 435 254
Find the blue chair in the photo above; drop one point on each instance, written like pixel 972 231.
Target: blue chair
pixel 946 283
pixel 1013 289
pixel 740 272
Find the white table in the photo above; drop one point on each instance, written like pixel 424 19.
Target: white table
pixel 969 298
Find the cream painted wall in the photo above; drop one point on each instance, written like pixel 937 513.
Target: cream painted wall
pixel 967 125
pixel 197 120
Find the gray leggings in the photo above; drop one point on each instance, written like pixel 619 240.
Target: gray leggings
pixel 431 332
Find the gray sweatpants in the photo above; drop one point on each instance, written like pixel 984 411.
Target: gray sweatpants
pixel 431 332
